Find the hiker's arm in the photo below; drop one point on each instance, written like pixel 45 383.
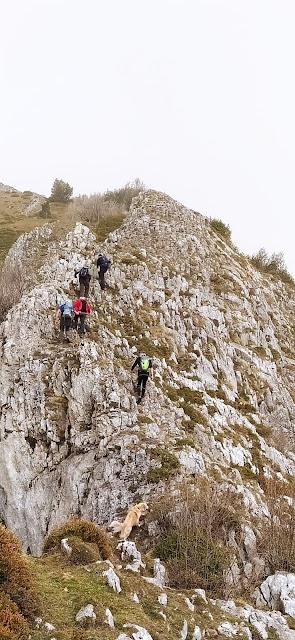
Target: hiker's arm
pixel 57 313
pixel 135 363
pixel 151 368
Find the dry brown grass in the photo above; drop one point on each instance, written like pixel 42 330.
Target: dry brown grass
pixel 11 619
pixel 12 282
pixel 277 543
pixel 5 634
pixel 193 540
pixel 83 529
pixel 273 264
pixel 15 575
pixel 98 207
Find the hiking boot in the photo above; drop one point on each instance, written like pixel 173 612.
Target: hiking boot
pixel 138 401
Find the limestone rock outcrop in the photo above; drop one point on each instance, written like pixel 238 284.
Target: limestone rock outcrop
pixel 221 335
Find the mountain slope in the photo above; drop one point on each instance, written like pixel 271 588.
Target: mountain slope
pixel 73 440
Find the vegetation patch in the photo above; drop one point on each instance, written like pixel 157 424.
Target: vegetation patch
pixel 169 465
pixel 11 619
pixel 15 577
pixel 221 228
pixel 144 419
pixel 184 442
pixel 273 264
pixel 193 535
pixel 83 529
pixel 277 542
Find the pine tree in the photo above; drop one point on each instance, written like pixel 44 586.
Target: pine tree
pixel 61 191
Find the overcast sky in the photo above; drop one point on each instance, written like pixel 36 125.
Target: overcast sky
pixel 195 97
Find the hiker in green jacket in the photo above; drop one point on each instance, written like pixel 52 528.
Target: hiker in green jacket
pixel 145 367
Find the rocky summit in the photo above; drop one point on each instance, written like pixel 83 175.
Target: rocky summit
pixel 73 440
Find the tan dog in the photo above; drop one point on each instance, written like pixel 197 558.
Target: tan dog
pixel 132 520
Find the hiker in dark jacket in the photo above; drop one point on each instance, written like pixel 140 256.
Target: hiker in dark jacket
pixel 103 264
pixel 81 308
pixel 145 366
pixel 84 279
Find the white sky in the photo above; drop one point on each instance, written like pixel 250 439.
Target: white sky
pixel 195 97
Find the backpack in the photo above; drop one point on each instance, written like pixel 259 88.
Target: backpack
pixel 66 309
pixel 104 263
pixel 84 306
pixel 144 364
pixel 84 272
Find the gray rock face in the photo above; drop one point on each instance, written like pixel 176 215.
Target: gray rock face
pixel 278 592
pixel 130 552
pixel 140 633
pixel 73 440
pixel 113 580
pixel 86 612
pixel 7 188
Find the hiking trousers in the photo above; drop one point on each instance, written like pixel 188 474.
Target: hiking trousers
pixel 84 288
pixel 101 275
pixel 65 322
pixel 142 379
pixel 80 320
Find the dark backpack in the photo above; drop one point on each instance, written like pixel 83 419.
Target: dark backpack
pixel 104 263
pixel 83 306
pixel 84 273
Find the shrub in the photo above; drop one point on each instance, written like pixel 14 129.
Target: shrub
pixel 169 465
pixel 82 552
pixel 193 559
pixel 12 283
pixel 273 264
pixel 125 195
pixel 11 618
pixel 277 543
pixel 5 634
pixel 15 576
pixel 194 530
pixel 45 210
pixel 99 207
pixel 84 529
pixel 221 228
pixel 61 191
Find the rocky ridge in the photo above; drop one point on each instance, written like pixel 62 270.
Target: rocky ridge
pixel 72 439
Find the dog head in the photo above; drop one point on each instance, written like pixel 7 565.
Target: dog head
pixel 142 507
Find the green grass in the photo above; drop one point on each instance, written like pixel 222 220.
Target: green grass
pixel 144 419
pixel 107 225
pixel 65 589
pixel 169 465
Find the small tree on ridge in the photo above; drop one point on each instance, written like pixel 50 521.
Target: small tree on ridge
pixel 61 191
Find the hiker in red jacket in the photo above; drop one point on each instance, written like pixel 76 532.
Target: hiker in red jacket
pixel 81 309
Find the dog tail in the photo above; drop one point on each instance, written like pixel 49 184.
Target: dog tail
pixel 116 526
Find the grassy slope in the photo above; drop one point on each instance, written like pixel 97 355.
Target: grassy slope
pixel 13 222
pixel 66 588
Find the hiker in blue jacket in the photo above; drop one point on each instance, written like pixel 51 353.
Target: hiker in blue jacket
pixel 103 264
pixel 64 313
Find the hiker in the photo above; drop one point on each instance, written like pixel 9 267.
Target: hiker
pixel 84 279
pixel 145 366
pixel 81 308
pixel 103 264
pixel 64 313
